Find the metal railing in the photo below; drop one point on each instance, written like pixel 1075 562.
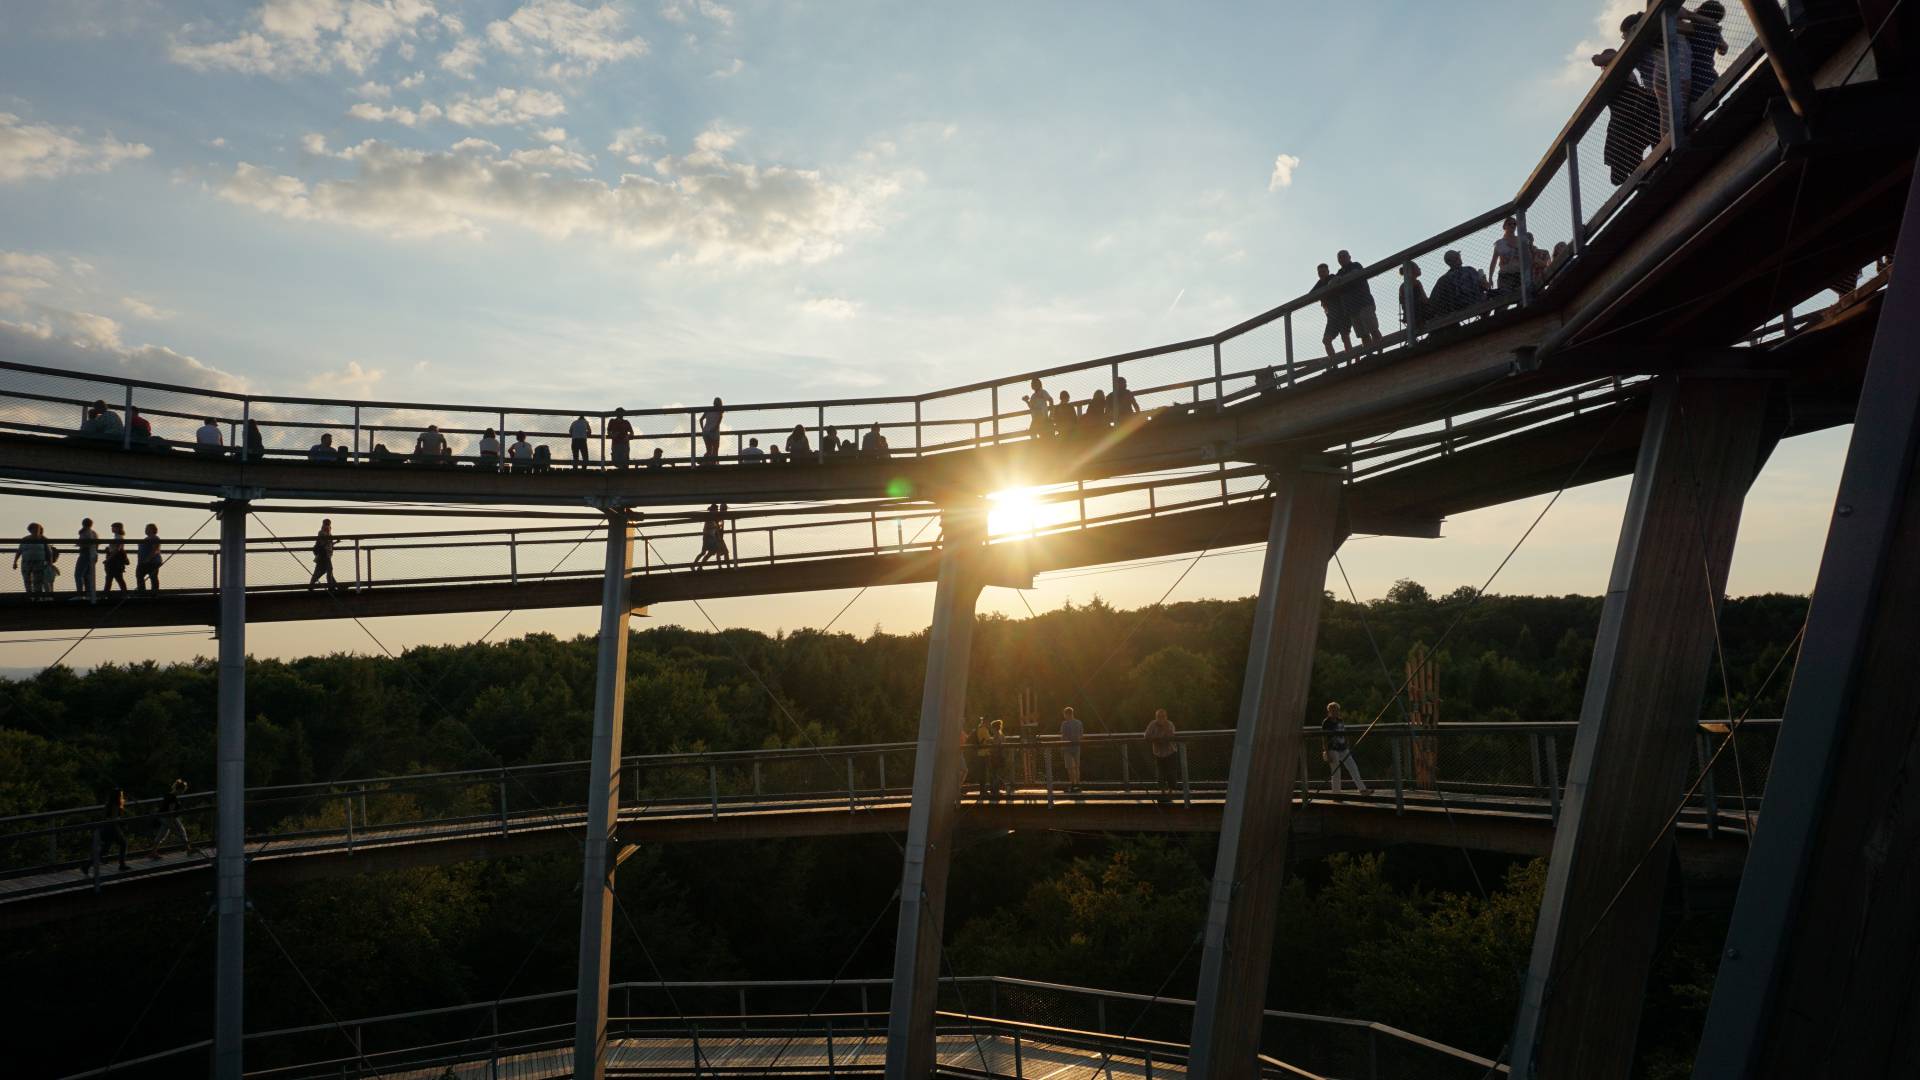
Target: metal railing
pixel 989 1026
pixel 1575 194
pixel 671 540
pixel 1513 767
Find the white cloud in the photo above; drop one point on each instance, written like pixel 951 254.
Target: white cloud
pixel 293 36
pixel 413 81
pixel 144 310
pixel 711 210
pixel 218 142
pixel 830 307
pixel 398 114
pixel 576 39
pixel 43 152
pixel 352 381
pixel 87 342
pixel 314 144
pixel 505 106
pixel 552 157
pixel 679 12
pixel 466 54
pixel 630 143
pixel 1283 167
pixel 552 134
pixel 730 70
pixel 374 91
pixel 1606 35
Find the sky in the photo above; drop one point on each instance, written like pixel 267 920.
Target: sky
pixel 583 204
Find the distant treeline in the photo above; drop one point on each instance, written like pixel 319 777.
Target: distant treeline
pixel 65 737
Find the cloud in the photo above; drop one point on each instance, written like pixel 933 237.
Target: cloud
pixel 629 142
pixel 552 134
pixel 502 108
pixel 144 310
pixel 83 341
pixel 830 307
pixel 374 91
pixel 1283 167
pixel 577 40
pixel 730 70
pixel 352 381
pixel 466 54
pixel 1579 67
pixel 552 157
pixel 413 81
pixel 295 36
pixel 704 207
pixel 42 152
pixel 680 12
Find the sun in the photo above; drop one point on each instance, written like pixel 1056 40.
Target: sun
pixel 1012 511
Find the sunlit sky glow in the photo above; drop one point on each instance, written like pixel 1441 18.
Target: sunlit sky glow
pixel 649 203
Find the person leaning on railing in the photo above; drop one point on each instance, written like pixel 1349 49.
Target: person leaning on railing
pixel 577 433
pixel 619 439
pixel 797 446
pixel 1415 306
pixel 101 422
pixel 1457 290
pixel 1159 734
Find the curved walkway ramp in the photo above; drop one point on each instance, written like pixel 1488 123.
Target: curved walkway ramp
pixel 989 1027
pixel 1484 787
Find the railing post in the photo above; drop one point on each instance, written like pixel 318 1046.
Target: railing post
pixel 853 799
pixel 1100 1013
pixel 919 437
pixel 756 778
pixel 1126 768
pixel 1675 105
pixel 880 759
pixel 1533 757
pixel 126 429
pixel 513 557
pixel 1018 1065
pixel 1573 197
pixel 1703 753
pixel 1147 1065
pixel 493 1042
pixel 994 397
pixel 1286 323
pixel 356 429
pixel 1219 383
pixel 1046 756
pixel 94 861
pixel 820 442
pixel 503 802
pixel 1399 789
pixel 246 415
pixel 830 1046
pixel 1186 781
pixel 1373 1054
pixel 693 436
pixel 713 787
pixel 348 800
pixel 1553 780
pixel 1525 245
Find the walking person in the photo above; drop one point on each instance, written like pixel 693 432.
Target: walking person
pixel 1505 267
pixel 167 821
pixel 1335 307
pixel 323 544
pixel 34 559
pixel 1336 754
pixel 577 433
pixel 86 556
pixel 1072 731
pixel 1166 750
pixel 115 563
pixel 109 833
pixel 1414 304
pixel 147 561
pixel 710 431
pixel 1122 402
pixel 1066 416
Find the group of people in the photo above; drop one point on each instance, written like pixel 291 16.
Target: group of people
pixel 38 561
pixel 1637 113
pixel 110 833
pixel 992 749
pixel 713 538
pixel 1065 418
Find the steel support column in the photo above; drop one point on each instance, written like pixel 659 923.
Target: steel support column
pixel 936 797
pixel 230 781
pixel 1593 945
pixel 1817 975
pixel 603 804
pixel 1306 526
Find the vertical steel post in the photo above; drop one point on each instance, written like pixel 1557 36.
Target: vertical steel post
pixel 1286 324
pixel 1553 780
pixel 1593 944
pixel 1303 531
pixel 1573 197
pixel 1219 383
pixel 1674 107
pixel 230 886
pixel 603 803
pixel 1525 247
pixel 936 795
pixel 126 429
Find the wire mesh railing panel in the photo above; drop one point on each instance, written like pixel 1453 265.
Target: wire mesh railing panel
pixel 951 421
